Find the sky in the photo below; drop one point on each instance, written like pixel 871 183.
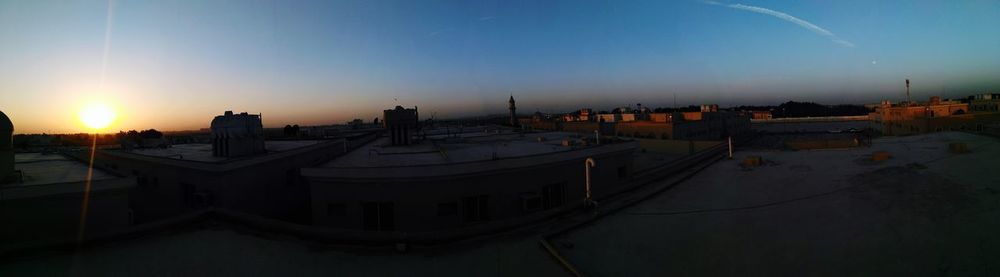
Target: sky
pixel 173 65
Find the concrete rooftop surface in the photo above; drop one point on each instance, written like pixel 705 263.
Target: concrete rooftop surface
pixel 467 147
pixel 202 152
pixel 926 211
pixel 44 169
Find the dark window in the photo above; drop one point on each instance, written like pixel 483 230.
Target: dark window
pixel 622 172
pixel 530 202
pixel 336 209
pixel 377 216
pixel 553 195
pixel 446 209
pixel 477 208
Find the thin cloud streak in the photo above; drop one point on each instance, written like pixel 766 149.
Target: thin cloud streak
pixel 787 17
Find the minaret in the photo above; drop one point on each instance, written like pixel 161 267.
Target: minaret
pixel 513 109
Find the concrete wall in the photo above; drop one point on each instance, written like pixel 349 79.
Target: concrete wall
pixel 416 199
pixel 52 212
pixel 268 186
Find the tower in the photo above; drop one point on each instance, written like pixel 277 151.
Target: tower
pixel 513 111
pixel 907 92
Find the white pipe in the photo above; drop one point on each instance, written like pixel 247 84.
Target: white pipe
pixel 587 165
pixel 730 148
pixel 597 136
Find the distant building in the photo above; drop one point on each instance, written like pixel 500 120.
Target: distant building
pixel 761 115
pixel 711 124
pixel 934 115
pixel 608 118
pixel 401 124
pixel 586 114
pixel 984 103
pixel 237 135
pixel 628 117
pixel 513 111
pixel 660 117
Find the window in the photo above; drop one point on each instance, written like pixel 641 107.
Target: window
pixel 336 209
pixel 553 195
pixel 377 216
pixel 447 209
pixel 530 202
pixel 477 208
pixel 622 172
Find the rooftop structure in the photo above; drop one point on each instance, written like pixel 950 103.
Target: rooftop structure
pixel 237 135
pixel 6 148
pixel 455 181
pixel 202 152
pixel 402 124
pixel 459 148
pixel 45 203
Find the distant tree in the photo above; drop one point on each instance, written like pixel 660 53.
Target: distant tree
pixel 150 134
pixel 287 130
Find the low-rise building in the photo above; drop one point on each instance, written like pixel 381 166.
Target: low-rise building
pixel 461 180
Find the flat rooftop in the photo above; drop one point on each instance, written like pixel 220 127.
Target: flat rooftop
pixel 457 148
pixel 925 211
pixel 202 152
pixel 44 169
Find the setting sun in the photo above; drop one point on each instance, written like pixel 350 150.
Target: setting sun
pixel 97 116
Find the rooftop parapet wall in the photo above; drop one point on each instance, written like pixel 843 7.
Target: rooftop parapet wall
pixel 463 168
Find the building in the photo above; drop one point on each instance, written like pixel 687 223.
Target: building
pixel 237 135
pixel 984 103
pixel 586 114
pixel 934 115
pixel 402 124
pixel 6 148
pixel 44 202
pixel 709 124
pixel 761 115
pixel 189 177
pixel 513 111
pixel 461 180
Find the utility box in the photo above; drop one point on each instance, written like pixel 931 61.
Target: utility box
pixel 881 156
pixel 958 147
pixel 753 161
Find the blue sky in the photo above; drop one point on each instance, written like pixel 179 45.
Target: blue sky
pixel 175 64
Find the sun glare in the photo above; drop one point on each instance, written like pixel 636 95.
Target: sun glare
pixel 97 116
